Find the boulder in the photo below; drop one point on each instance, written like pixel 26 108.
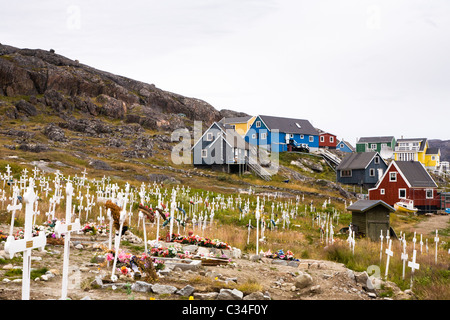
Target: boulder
pixel 141 286
pixel 303 280
pixel 186 291
pixel 228 294
pixel 163 289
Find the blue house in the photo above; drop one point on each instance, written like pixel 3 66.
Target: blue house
pixel 362 169
pixel 277 134
pixel 344 146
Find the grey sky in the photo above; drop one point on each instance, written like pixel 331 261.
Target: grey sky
pixel 352 67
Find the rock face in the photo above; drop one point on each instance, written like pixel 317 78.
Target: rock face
pixel 65 85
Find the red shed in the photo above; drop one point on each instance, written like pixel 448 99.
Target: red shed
pixel 327 140
pixel 407 180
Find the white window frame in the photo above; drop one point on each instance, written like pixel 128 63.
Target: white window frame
pixel 373 146
pixel 322 139
pixel 331 139
pixel 264 135
pixel 209 136
pixel 346 176
pixel 204 153
pixel 254 136
pixel 377 160
pixel 371 172
pixel 302 136
pixel 382 191
pixel 258 124
pixel 311 138
pixel 432 193
pixel 342 146
pixel 399 191
pixel 392 179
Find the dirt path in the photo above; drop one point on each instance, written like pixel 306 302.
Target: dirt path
pixel 434 222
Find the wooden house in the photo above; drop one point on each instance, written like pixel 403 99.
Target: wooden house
pixel 417 149
pixel 221 148
pixel 408 180
pixel 371 144
pixel 277 133
pixel 370 217
pixel 240 124
pixel 362 169
pixel 344 146
pixel 327 140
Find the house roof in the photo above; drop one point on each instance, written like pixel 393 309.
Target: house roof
pixel 433 151
pixel 289 125
pixel 236 120
pixel 365 205
pixel 376 139
pixel 357 161
pixel 416 174
pixel 230 136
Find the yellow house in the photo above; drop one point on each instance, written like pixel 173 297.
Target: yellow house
pixel 240 124
pixel 417 150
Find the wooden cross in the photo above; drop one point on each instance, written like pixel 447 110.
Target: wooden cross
pixel 67 228
pixel 15 206
pixel 257 216
pixel 404 258
pixel 413 265
pixel 436 240
pixel 389 254
pixel 28 243
pixel 381 248
pixel 122 218
pixel 421 243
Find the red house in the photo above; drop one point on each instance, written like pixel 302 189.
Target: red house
pixel 407 180
pixel 327 140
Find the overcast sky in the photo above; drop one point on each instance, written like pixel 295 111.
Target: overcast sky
pixel 352 67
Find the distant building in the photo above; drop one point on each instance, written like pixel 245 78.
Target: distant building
pixel 344 146
pixel 277 133
pixel 371 144
pixel 417 149
pixel 240 124
pixel 408 180
pixel 327 140
pixel 362 169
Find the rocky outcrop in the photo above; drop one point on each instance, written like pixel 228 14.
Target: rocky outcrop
pixel 66 85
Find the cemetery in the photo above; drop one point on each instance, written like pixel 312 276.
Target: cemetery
pixel 96 237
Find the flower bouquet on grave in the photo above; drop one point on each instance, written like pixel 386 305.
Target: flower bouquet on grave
pixel 3 236
pixel 280 255
pixel 89 227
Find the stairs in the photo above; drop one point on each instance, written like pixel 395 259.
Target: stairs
pixel 255 167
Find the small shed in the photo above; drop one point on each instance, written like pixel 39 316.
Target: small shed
pixel 371 216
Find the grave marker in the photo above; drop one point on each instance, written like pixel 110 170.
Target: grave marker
pixel 389 254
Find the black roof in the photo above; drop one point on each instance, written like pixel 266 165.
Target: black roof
pixel 289 125
pixel 416 174
pixel 356 161
pixel 376 139
pixel 364 205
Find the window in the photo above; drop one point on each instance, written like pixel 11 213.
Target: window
pixel 204 153
pixel 331 139
pixel 209 136
pixel 291 136
pixel 302 137
pixel 382 191
pixel 311 138
pixel 377 160
pixel 342 145
pixel 373 146
pixel 263 135
pixel 372 172
pixel 429 193
pixel 346 173
pixel 254 136
pixel 258 124
pixel 322 139
pixel 433 158
pixel 393 176
pixel 402 193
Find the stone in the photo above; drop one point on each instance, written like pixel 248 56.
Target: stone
pixel 228 294
pixel 97 282
pixel 315 289
pixel 255 257
pixel 303 280
pixel 279 262
pixel 8 267
pixel 163 289
pixel 79 246
pixel 186 291
pixel 372 295
pixel 191 248
pixel 141 286
pixel 256 296
pixel 26 107
pixel 44 277
pixel 293 264
pixel 205 296
pixel 202 251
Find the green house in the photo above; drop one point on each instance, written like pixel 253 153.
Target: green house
pixel 371 144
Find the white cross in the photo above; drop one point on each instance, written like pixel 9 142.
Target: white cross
pixel 15 206
pixel 413 265
pixel 28 243
pixel 66 229
pixel 404 257
pixel 436 240
pixel 421 243
pixel 389 254
pixel 257 216
pixel 117 238
pixel 249 226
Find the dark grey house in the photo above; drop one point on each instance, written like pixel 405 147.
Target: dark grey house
pixel 221 148
pixel 362 169
pixel 370 217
